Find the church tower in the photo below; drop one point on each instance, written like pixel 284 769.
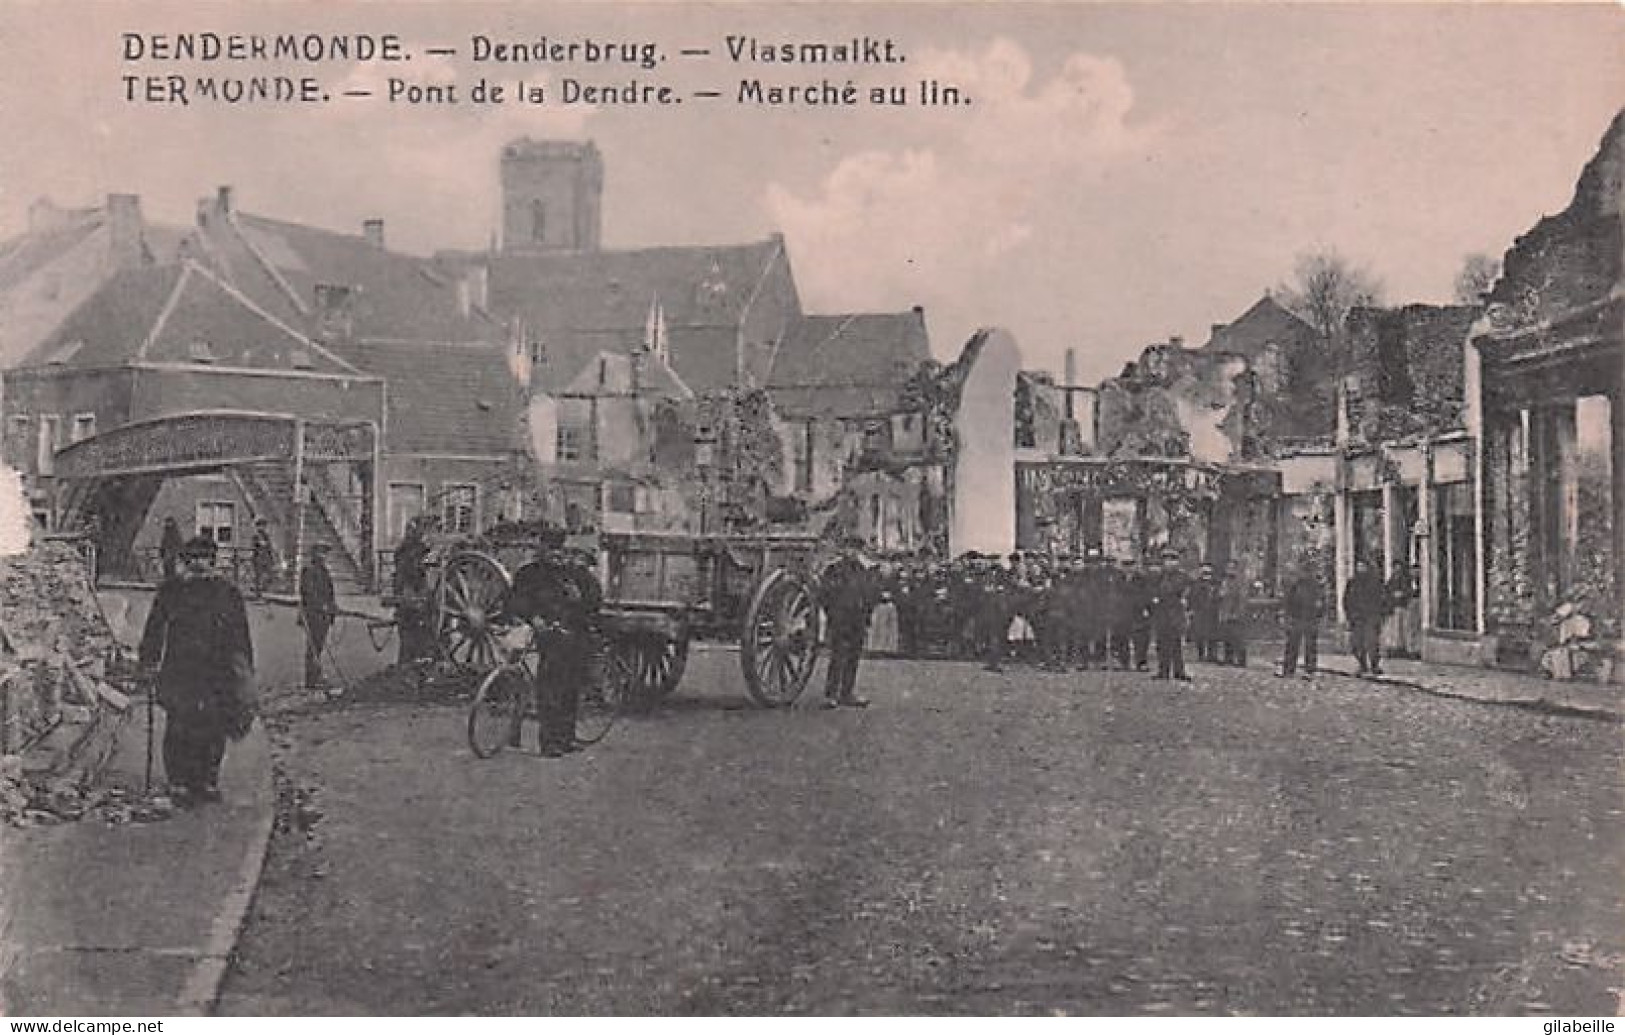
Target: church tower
pixel 551 193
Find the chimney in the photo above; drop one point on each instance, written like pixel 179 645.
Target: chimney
pixel 373 231
pixel 124 229
pixel 1176 341
pixel 479 286
pixel 1071 367
pixel 222 197
pixel 463 296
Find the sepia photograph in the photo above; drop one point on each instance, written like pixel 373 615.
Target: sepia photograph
pixel 760 508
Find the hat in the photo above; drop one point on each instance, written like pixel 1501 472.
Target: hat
pixel 199 547
pixel 1170 554
pixel 854 542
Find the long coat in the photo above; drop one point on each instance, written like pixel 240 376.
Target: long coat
pixel 197 633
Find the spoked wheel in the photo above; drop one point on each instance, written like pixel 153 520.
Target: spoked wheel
pixel 496 717
pixel 469 596
pixel 607 695
pixel 778 646
pixel 654 664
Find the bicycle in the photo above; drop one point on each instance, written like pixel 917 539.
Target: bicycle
pixel 507 694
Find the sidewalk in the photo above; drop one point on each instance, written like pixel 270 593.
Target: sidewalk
pixel 140 919
pixel 1493 686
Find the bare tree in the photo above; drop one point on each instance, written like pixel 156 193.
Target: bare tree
pixel 1479 272
pixel 1324 287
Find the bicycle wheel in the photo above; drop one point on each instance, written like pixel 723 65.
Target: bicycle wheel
pixel 495 717
pixel 606 694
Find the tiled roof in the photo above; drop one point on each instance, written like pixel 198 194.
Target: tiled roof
pixel 401 298
pixel 850 365
pixel 21 256
pixel 579 303
pixel 176 314
pixel 113 323
pixel 697 286
pixel 449 399
pixel 1266 321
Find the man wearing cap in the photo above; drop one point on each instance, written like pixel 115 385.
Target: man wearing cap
pixel 1301 608
pixel 197 638
pixel 560 597
pixel 1168 617
pixel 317 606
pixel 1365 605
pixel 1203 599
pixel 851 588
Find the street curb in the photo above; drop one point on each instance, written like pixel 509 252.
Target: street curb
pixel 202 988
pixel 1542 705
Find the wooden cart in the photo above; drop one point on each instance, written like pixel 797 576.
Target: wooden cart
pixel 661 591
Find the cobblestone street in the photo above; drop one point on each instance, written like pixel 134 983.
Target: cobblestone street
pixel 982 843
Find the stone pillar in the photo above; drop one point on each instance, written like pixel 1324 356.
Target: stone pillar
pixel 1426 548
pixel 1616 501
pixel 1566 502
pixel 1342 538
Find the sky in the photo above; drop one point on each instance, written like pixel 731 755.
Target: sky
pixel 1122 174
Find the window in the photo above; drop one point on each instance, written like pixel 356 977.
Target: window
pixel 538 222
pixel 1455 559
pixel 538 351
pixel 623 499
pixel 19 442
pixel 405 503
pixel 50 435
pixel 84 426
pixel 458 511
pixel 200 351
pixel 804 458
pixel 217 521
pixel 569 447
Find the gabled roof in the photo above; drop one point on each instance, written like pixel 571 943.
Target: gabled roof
pixel 178 314
pixel 1265 322
pixel 695 285
pixel 394 297
pixel 847 365
pixel 612 374
pixel 445 399
pixel 21 256
pixel 111 326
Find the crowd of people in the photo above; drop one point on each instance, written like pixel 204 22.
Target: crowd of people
pixel 1091 611
pixel 1072 612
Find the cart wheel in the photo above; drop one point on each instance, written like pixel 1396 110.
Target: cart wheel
pixel 497 714
pixel 778 645
pixel 469 595
pixel 659 661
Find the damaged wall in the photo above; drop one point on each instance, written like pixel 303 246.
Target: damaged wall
pixel 1175 402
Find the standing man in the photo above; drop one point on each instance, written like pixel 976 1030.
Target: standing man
pixel 851 587
pixel 169 548
pixel 993 614
pixel 318 604
pixel 197 638
pixel 1301 611
pixel 1168 617
pixel 1365 604
pixel 560 597
pixel 1232 618
pixel 263 557
pixel 411 589
pixel 1134 610
pixel 1204 607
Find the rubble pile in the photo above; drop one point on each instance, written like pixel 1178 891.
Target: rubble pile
pixel 64 688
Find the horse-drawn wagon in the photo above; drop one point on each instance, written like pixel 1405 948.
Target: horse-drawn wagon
pixel 661 592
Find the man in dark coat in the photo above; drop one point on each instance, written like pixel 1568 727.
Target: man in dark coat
pixel 1232 617
pixel 994 613
pixel 1168 617
pixel 411 589
pixel 1301 610
pixel 851 587
pixel 1131 625
pixel 1365 605
pixel 1203 600
pixel 318 604
pixel 263 557
pixel 560 597
pixel 169 548
pixel 197 639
